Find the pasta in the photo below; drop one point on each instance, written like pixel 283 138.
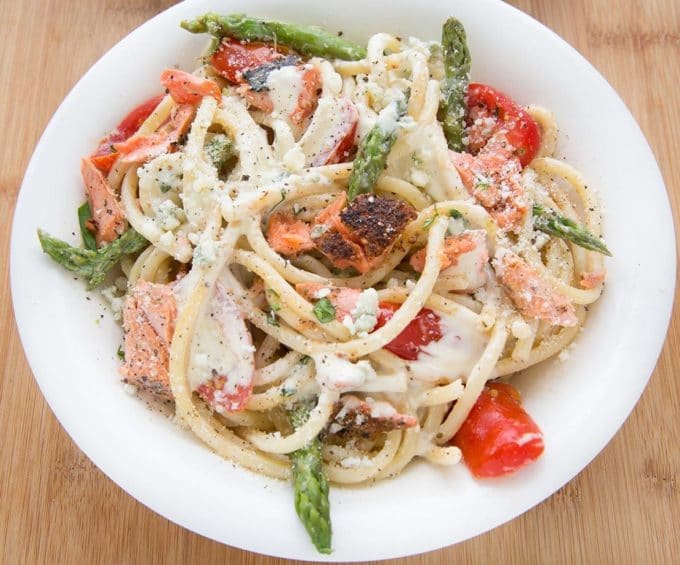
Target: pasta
pixel 364 237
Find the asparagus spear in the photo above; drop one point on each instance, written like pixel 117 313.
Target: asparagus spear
pixel 457 67
pixel 306 40
pixel 372 155
pixel 311 485
pixel 89 264
pixel 548 221
pixel 84 216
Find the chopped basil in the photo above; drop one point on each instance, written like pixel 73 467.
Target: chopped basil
pixel 120 353
pixel 455 214
pixel 305 359
pixel 324 311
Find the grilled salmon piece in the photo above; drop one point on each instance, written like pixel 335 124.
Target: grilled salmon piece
pixel 454 247
pixel 592 279
pixel 533 296
pixel 186 88
pixel 362 233
pixel 354 417
pixel 287 235
pixel 492 177
pixel 149 318
pixel 143 148
pixel 107 215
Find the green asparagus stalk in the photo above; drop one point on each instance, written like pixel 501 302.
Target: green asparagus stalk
pixel 311 41
pixel 548 221
pixel 457 68
pixel 311 485
pixel 374 149
pixel 86 263
pixel 84 216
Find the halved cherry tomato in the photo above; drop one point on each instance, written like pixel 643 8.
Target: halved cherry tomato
pixel 420 331
pixel 104 157
pixel 520 129
pixel 186 88
pixel 498 437
pixel 232 58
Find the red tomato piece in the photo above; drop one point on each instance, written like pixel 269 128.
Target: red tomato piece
pixel 105 155
pixel 233 58
pixel 519 128
pixel 420 331
pixel 498 437
pixel 186 88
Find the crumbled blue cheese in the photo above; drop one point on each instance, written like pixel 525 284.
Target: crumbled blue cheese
pixel 457 226
pixel 167 239
pixel 294 159
pixel 388 118
pixel 355 462
pixel 165 171
pixel 112 296
pixel 168 215
pixel 318 230
pixel 205 252
pixel 419 177
pixel 322 293
pixel 365 313
pixel 339 374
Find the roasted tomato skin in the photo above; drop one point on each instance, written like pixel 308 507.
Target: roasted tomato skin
pixel 232 58
pixel 104 157
pixel 519 128
pixel 423 329
pixel 498 437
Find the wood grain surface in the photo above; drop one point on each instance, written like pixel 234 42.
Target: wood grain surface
pixel 56 507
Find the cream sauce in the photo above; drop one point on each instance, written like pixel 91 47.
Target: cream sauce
pixel 455 354
pixel 222 345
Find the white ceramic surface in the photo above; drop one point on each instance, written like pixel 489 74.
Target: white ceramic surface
pixel 71 342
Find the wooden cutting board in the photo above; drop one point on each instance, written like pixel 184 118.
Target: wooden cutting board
pixel 56 507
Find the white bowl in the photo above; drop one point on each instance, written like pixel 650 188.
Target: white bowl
pixel 71 342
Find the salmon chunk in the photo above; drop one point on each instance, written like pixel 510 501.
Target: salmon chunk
pixel 354 417
pixel 454 247
pixel 592 279
pixel 149 318
pixel 143 148
pixel 492 177
pixel 107 215
pixel 361 234
pixel 186 88
pixel 533 296
pixel 287 235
